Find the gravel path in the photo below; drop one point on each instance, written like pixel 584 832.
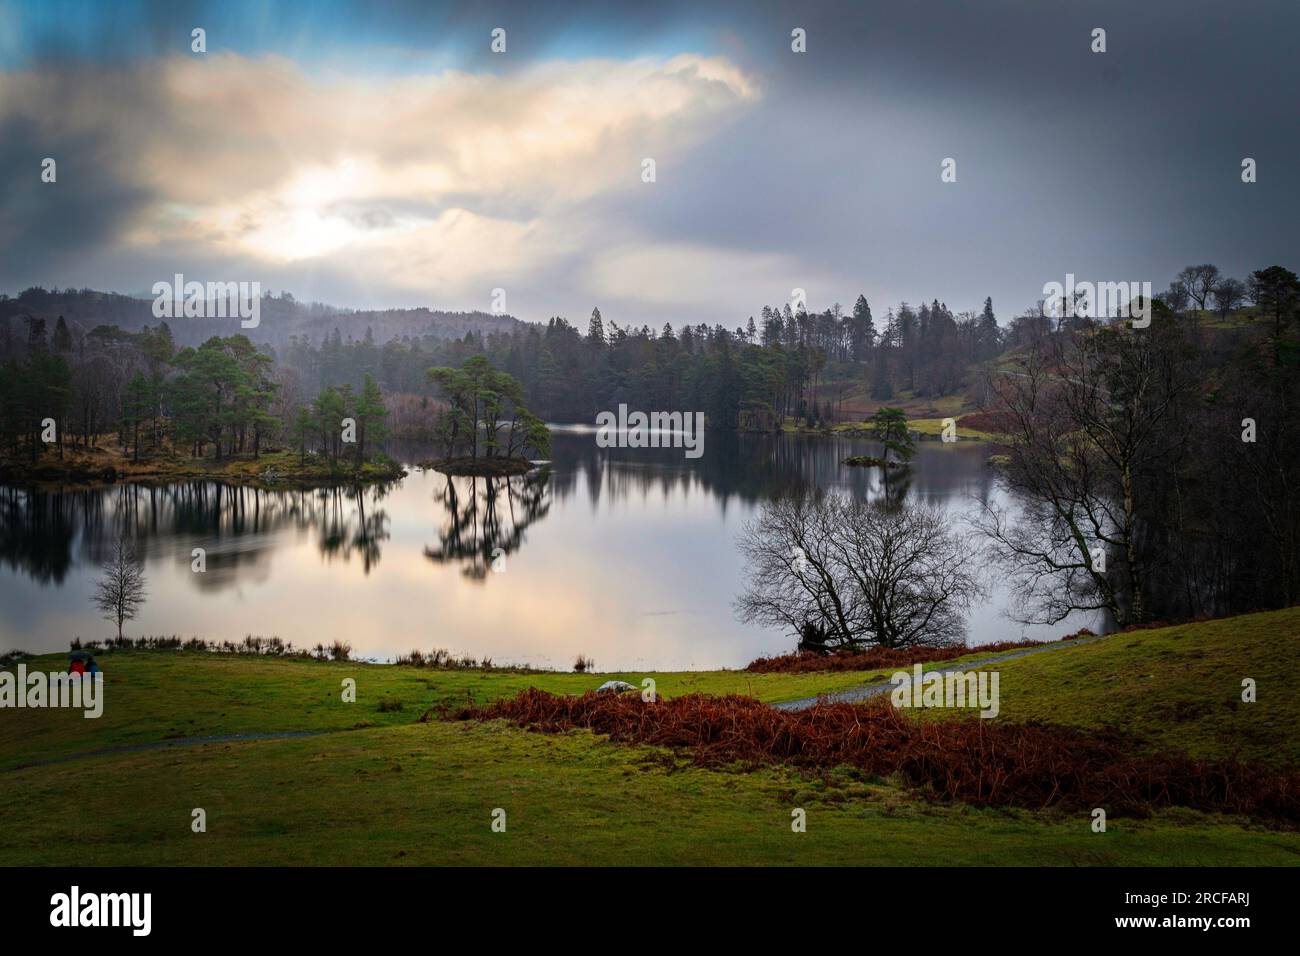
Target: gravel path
pixel 857 694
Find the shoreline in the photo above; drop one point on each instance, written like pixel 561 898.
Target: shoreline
pixel 80 470
pixel 479 467
pixel 269 470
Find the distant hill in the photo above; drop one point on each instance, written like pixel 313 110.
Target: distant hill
pixel 281 318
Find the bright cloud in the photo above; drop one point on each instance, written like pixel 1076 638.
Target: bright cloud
pixel 432 184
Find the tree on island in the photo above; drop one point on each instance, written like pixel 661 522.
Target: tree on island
pixel 120 592
pixel 304 428
pixel 481 399
pixel 370 413
pixel 329 409
pixel 889 427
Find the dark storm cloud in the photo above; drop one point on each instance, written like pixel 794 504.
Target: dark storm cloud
pixel 1125 163
pixel 1122 165
pixel 46 228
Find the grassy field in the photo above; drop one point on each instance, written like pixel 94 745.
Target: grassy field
pixel 859 405
pixel 933 428
pixel 930 429
pixel 1177 687
pixel 377 786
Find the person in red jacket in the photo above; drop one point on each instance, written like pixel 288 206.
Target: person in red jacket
pixel 77 667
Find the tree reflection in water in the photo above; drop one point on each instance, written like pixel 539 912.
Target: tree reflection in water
pixel 485 519
pixel 44 534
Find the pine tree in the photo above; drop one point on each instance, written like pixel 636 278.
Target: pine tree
pixel 889 426
pixel 988 331
pixel 370 412
pixel 62 336
pixel 136 408
pixel 596 329
pixel 862 335
pixel 304 426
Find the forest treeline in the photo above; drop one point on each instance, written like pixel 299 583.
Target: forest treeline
pixel 782 364
pixel 1152 465
pixel 220 399
pixel 233 393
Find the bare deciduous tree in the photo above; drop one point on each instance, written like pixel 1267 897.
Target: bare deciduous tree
pixel 1089 413
pixel 120 592
pixel 855 573
pixel 1199 282
pixel 1228 295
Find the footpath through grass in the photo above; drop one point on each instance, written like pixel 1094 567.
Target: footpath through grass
pixel 379 787
pixel 164 695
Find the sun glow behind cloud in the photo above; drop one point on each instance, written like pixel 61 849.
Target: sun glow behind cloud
pixel 300 220
pixel 824 177
pixel 441 185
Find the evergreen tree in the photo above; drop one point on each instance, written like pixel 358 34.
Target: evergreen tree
pixel 989 340
pixel 370 414
pixel 596 330
pixel 862 336
pixel 62 337
pixel 889 427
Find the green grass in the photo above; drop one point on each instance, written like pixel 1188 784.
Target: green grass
pixel 162 695
pixel 933 427
pixel 929 428
pixel 158 695
pixel 1241 318
pixel 1178 687
pixel 379 788
pixel 424 794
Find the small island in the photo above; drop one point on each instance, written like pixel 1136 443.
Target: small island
pixel 485 430
pixel 873 461
pixel 487 467
pixel 889 427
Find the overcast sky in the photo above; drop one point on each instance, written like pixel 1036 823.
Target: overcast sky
pixel 380 154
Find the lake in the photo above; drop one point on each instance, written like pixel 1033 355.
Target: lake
pixel 625 555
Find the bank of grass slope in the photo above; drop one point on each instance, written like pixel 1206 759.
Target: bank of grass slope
pixel 1178 688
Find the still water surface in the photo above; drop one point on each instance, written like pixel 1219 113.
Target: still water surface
pixel 625 555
